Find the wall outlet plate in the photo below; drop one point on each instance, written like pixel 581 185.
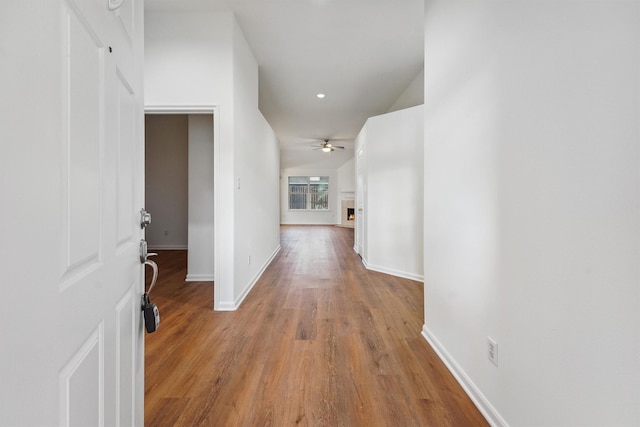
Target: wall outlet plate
pixel 492 351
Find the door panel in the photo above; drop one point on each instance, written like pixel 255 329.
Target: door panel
pixel 126 160
pixel 81 384
pixel 126 17
pixel 83 121
pixel 126 310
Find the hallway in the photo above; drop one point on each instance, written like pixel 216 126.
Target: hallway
pixel 319 341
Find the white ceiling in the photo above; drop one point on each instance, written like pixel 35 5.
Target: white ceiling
pixel 361 53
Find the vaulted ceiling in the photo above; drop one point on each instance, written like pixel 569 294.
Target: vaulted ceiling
pixel 362 54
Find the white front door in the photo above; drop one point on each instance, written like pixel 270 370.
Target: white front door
pixel 72 182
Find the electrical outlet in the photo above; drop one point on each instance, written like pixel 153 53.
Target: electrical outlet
pixel 166 232
pixel 492 351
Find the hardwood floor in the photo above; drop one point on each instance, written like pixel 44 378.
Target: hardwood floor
pixel 319 341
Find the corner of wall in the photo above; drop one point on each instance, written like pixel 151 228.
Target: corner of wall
pixel 474 393
pixel 413 95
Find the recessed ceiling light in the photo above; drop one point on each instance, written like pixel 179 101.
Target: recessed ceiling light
pixel 320 95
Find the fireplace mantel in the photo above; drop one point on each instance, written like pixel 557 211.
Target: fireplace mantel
pixel 347 195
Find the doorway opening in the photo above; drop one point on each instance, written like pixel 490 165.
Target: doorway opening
pixel 179 188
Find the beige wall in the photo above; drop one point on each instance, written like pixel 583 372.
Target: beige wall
pixel 166 164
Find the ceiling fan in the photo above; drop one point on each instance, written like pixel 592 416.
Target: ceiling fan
pixel 327 147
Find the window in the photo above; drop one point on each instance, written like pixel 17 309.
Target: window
pixel 309 192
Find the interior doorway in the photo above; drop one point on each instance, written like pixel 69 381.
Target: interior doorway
pixel 179 165
pixel 166 180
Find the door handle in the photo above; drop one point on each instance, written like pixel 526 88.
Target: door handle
pixel 144 254
pixel 150 310
pixel 154 279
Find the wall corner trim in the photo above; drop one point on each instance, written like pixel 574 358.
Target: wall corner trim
pixel 226 306
pixel 257 277
pixel 393 272
pixel 233 306
pixel 482 403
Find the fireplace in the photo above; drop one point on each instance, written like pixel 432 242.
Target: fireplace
pixel 348 214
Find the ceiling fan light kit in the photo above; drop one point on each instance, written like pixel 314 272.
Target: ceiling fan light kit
pixel 327 147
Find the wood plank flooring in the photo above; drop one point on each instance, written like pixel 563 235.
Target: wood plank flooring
pixel 319 341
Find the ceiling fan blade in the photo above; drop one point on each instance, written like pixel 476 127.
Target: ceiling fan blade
pixel 326 147
pixel 332 139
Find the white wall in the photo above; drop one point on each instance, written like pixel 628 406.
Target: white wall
pixel 200 59
pixel 257 165
pixel 166 148
pixel 346 175
pixel 187 56
pixel 393 206
pixel 532 206
pixel 200 261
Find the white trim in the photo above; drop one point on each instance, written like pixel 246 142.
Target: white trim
pixel 217 225
pixel 482 403
pixel 344 226
pixel 168 248
pixel 392 272
pixel 226 306
pixel 169 109
pixel 199 278
pixel 232 306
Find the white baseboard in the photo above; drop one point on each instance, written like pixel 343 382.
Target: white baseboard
pixel 226 306
pixel 199 278
pixel 482 403
pixel 392 272
pixel 364 261
pixel 397 273
pixel 233 306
